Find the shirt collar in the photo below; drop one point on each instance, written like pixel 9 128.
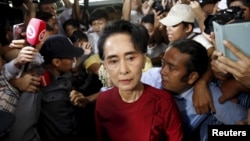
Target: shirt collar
pixel 187 95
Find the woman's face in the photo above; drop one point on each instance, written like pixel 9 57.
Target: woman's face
pixel 123 62
pixel 177 32
pixel 150 28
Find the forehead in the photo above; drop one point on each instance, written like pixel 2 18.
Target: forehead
pixel 103 20
pixel 118 43
pixel 237 3
pixel 173 55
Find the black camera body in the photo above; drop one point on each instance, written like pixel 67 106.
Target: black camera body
pixel 223 17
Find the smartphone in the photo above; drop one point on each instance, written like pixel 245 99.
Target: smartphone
pixel 17 30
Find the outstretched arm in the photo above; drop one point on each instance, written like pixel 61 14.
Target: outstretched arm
pixel 126 8
pixel 202 97
pixel 200 17
pixel 230 89
pixel 67 4
pixel 76 10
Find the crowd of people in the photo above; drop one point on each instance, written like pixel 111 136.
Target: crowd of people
pixel 150 72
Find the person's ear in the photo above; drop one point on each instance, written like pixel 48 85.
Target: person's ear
pixel 189 28
pixel 193 76
pixel 56 62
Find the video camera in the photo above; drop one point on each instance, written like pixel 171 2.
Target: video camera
pixel 223 17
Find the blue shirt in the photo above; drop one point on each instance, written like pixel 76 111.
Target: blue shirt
pixel 228 113
pixel 191 120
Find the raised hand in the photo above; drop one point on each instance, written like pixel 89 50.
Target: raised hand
pixel 86 46
pixel 20 43
pixel 78 99
pixel 240 69
pixel 25 55
pixel 28 82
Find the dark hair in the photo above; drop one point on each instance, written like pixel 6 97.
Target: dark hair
pixel 199 59
pixel 205 2
pixel 185 24
pixel 45 16
pixel 78 35
pixel 149 18
pixel 97 14
pixel 138 33
pixel 72 22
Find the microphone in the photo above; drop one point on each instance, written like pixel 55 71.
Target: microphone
pixel 35 31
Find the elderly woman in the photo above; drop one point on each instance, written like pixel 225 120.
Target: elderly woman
pixel 131 110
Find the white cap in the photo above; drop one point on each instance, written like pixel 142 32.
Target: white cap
pixel 179 13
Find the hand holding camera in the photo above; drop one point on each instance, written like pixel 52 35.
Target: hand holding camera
pixel 223 17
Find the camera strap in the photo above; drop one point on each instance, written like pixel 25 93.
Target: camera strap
pixel 194 35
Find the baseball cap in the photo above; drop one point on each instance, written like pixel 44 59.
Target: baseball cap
pixel 59 46
pixel 179 13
